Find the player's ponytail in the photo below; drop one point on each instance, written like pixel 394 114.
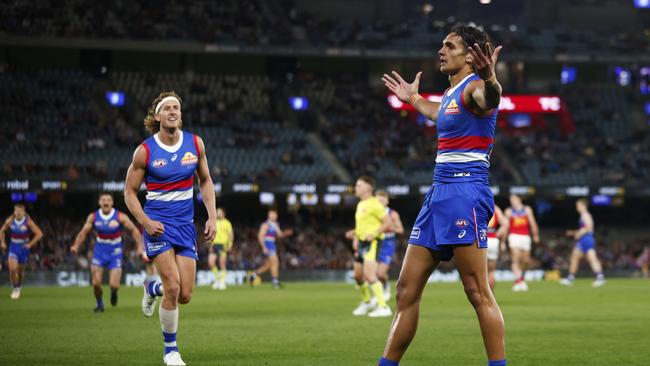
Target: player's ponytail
pixel 150 122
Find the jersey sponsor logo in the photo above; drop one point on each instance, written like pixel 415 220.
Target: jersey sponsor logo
pixel 462 234
pixel 189 159
pixel 99 223
pixel 462 223
pixel 159 163
pixel 113 224
pixel 452 107
pixel 483 235
pixel 415 233
pixel 520 221
pixel 463 174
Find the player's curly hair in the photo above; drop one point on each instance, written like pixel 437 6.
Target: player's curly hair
pixel 471 35
pixel 150 122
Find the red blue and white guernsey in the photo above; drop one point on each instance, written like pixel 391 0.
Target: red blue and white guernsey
pixel 108 242
pixel 107 227
pixel 271 236
pixel 169 177
pixel 459 204
pixel 465 139
pixel 19 231
pixel 19 234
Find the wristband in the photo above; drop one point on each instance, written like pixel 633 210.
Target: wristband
pixel 414 98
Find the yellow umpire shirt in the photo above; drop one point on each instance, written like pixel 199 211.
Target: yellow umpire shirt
pixel 368 218
pixel 224 228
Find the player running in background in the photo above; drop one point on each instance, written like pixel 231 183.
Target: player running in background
pixel 522 225
pixel 21 227
pixel 221 245
pixel 371 221
pixel 108 223
pixel 456 209
pixel 267 237
pixel 585 246
pixel 496 241
pixel 389 243
pixel 167 162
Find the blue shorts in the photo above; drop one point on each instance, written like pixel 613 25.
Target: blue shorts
pixel 19 252
pixel 586 242
pixel 182 239
pixel 108 256
pixel 453 214
pixel 387 250
pixel 270 246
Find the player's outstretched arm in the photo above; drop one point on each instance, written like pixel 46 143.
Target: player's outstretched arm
pixel 38 233
pixel 485 94
pixel 408 93
pixel 135 233
pixel 207 192
pixel 81 236
pixel 3 230
pixel 134 179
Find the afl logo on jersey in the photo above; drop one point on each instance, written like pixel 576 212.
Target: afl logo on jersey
pixel 189 159
pixel 462 223
pixel 159 163
pixel 452 107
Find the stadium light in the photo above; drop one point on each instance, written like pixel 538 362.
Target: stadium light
pixel 568 75
pixel 299 103
pixel 642 4
pixel 623 76
pixel 485 2
pixel 115 98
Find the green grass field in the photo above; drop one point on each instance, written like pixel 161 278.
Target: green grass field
pixel 311 324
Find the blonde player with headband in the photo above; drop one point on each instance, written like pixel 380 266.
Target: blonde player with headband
pixel 167 162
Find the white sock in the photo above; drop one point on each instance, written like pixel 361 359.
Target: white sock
pixel 168 319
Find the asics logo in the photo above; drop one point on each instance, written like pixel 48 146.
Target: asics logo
pixel 174 157
pixel 462 234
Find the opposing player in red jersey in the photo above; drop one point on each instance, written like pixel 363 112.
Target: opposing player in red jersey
pixel 496 241
pixel 522 227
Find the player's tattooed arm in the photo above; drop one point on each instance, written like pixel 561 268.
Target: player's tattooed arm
pixel 408 93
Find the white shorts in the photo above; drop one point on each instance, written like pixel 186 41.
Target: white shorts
pixel 493 249
pixel 518 241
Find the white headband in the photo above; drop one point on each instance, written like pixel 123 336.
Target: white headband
pixel 165 100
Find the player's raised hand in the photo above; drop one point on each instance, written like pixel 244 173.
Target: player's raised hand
pixel 210 230
pixel 400 87
pixel 74 249
pixel 484 62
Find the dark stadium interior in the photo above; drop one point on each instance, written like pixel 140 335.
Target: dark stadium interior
pixel 237 64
